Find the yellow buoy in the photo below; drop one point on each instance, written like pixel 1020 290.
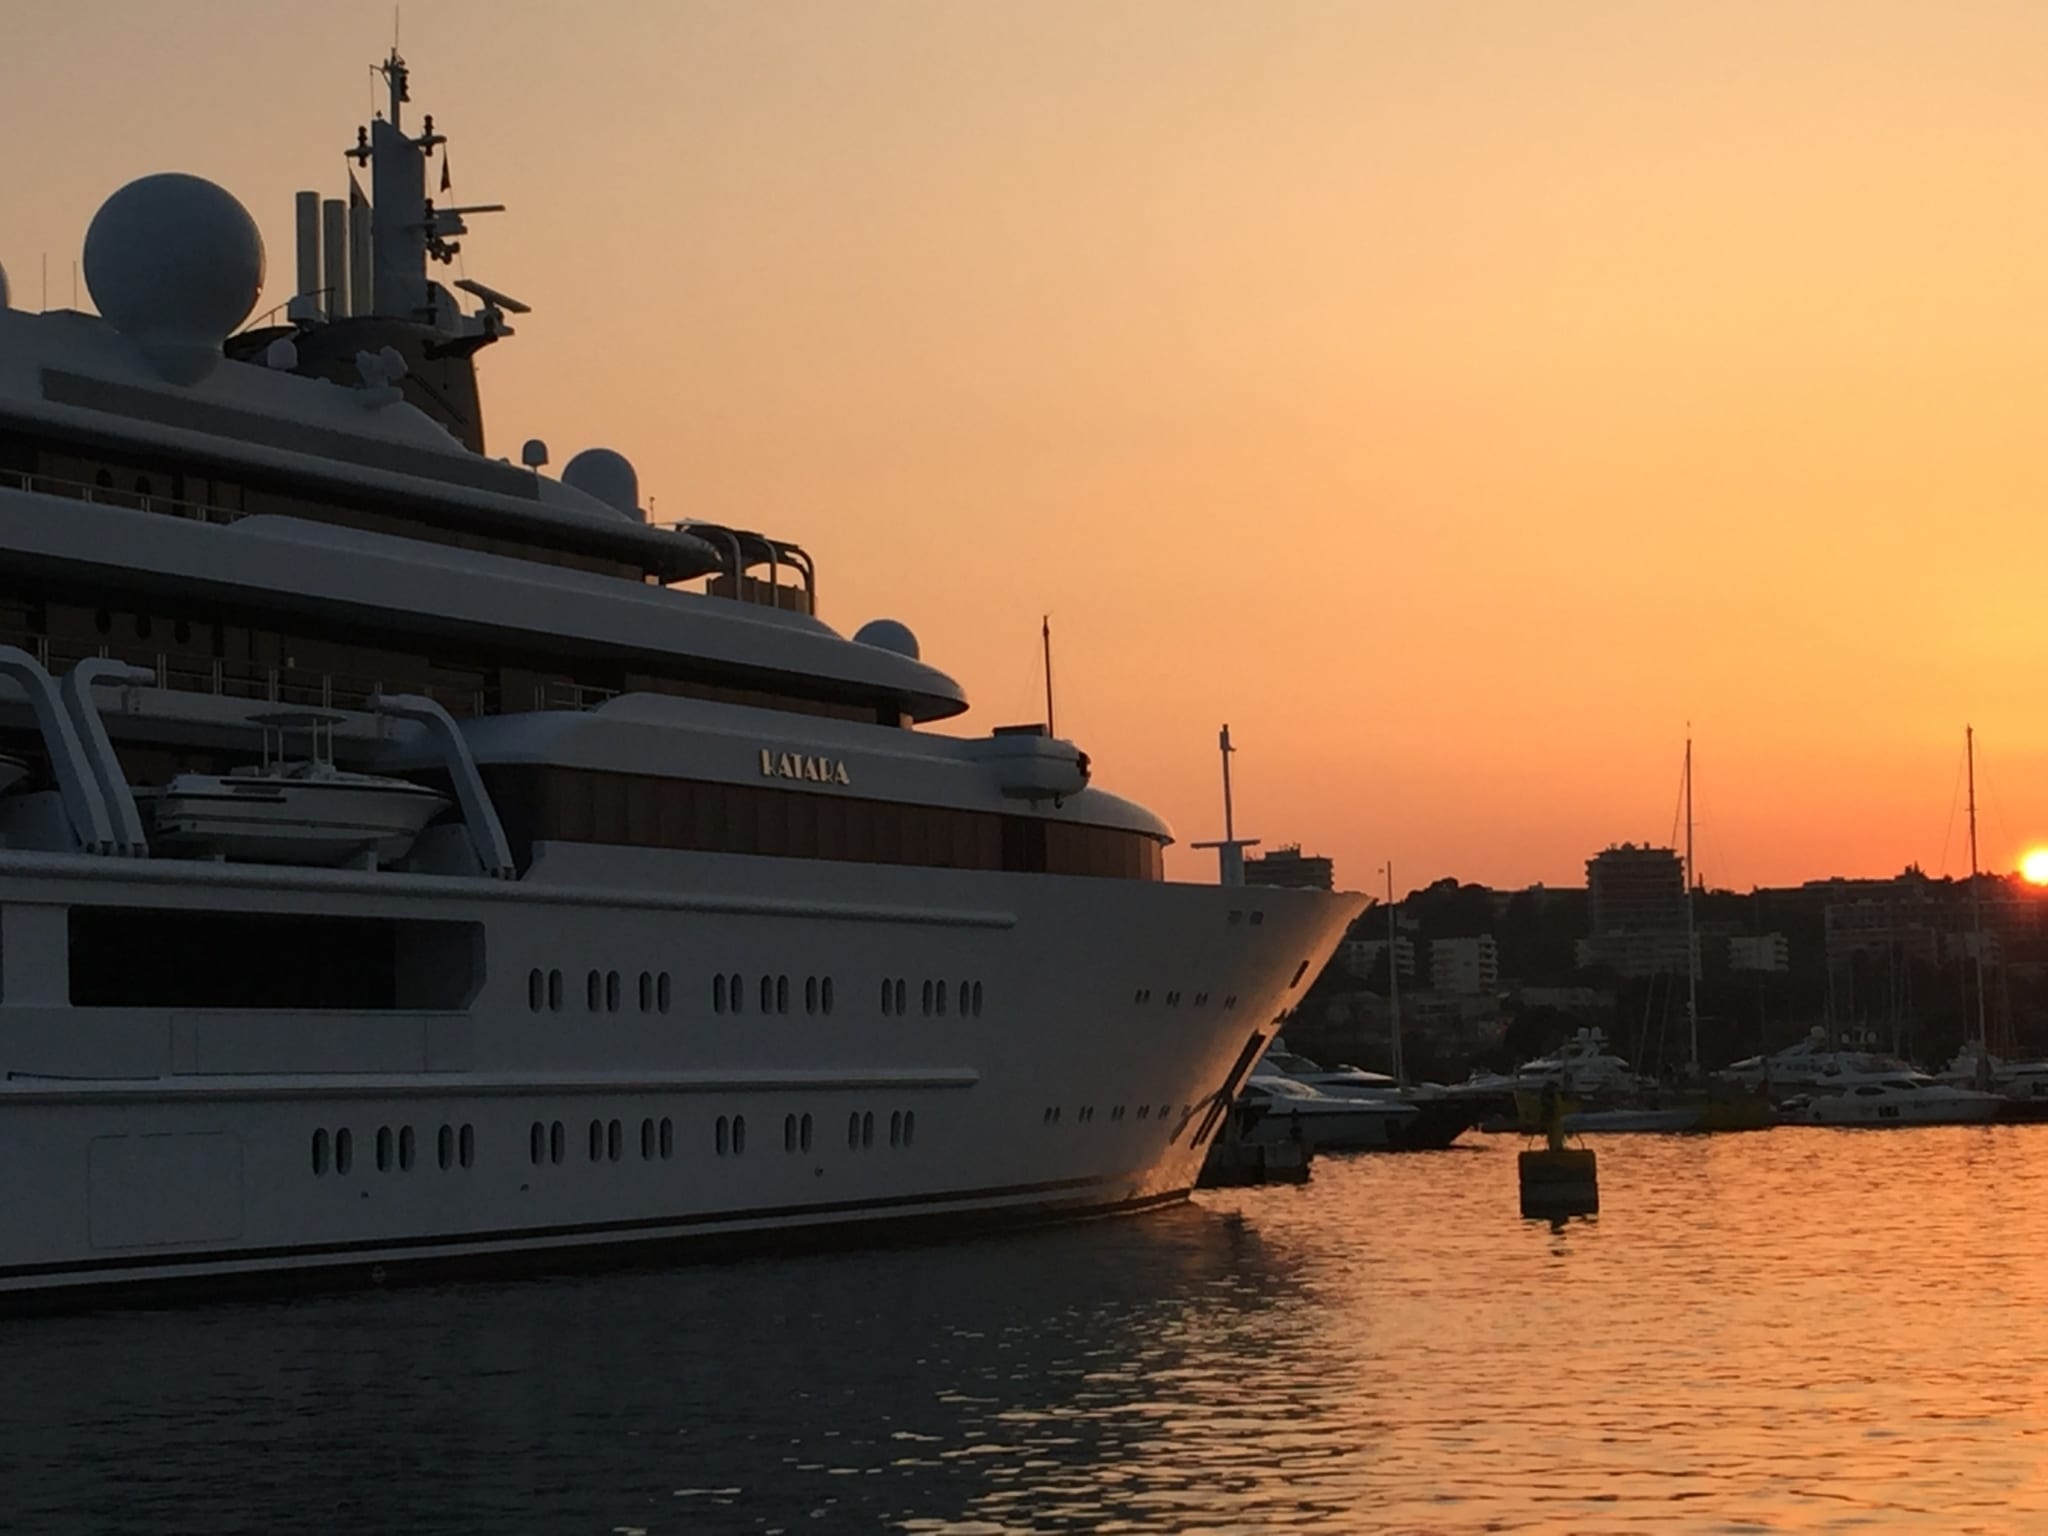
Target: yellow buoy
pixel 1559 1181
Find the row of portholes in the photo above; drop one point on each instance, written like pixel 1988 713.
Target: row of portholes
pixel 933 998
pixel 453 1146
pixel 548 1141
pixel 1201 999
pixel 1052 1114
pixel 602 991
pixel 860 1128
pixel 729 994
pixel 729 1135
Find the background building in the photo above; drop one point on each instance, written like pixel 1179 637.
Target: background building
pixel 1464 966
pixel 1636 903
pixel 1289 866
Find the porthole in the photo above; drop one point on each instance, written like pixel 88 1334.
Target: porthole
pixel 722 1136
pixel 537 1143
pixel 1144 1111
pixel 593 991
pixel 853 1131
pixel 896 1128
pixel 739 1134
pixel 867 1128
pixel 646 992
pixel 661 993
pixel 810 994
pixel 668 1138
pixel 789 1133
pixel 646 1141
pixel 888 997
pixel 143 626
pixel 320 1152
pixel 977 999
pixel 942 999
pixel 825 994
pixel 909 1126
pixel 536 990
pixel 383 1149
pixel 902 996
pixel 596 1141
pixel 444 1146
pixel 555 990
pixel 344 1150
pixel 767 994
pixel 466 1146
pixel 405 1149
pixel 181 631
pixel 614 1141
pixel 558 1143
pixel 782 994
pixel 738 997
pixel 611 991
pixel 718 993
pixel 803 1133
pixel 927 999
pixel 103 621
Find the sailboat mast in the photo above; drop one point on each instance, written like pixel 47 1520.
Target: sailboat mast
pixel 1976 900
pixel 1692 961
pixel 1394 987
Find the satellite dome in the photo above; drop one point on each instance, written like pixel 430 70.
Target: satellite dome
pixel 176 264
pixel 888 635
pixel 608 476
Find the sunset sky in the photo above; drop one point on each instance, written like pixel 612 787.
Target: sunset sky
pixel 1458 399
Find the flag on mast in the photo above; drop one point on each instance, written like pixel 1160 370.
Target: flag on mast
pixel 446 180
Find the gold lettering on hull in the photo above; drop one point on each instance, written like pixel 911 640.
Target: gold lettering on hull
pixel 800 765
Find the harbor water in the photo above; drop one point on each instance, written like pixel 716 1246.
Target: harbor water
pixel 1803 1330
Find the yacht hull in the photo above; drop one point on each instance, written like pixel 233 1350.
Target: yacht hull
pixel 643 1053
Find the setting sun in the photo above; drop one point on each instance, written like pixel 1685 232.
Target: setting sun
pixel 2034 866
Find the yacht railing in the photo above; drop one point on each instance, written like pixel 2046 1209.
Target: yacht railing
pixel 113 496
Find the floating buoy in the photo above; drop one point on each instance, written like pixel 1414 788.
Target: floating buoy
pixel 1559 1181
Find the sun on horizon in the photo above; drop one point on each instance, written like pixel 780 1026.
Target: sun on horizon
pixel 2034 866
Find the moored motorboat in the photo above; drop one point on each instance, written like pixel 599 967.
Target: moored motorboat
pixel 1323 1122
pixel 1894 1099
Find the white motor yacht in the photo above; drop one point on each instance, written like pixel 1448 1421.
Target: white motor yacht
pixel 1816 1061
pixel 1325 1122
pixel 1892 1099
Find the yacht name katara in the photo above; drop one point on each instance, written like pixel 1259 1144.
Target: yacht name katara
pixel 800 765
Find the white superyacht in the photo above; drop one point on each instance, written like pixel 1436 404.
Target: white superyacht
pixel 413 862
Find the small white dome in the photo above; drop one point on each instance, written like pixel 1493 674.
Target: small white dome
pixel 888 635
pixel 176 264
pixel 608 476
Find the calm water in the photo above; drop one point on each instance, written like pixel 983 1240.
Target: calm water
pixel 1799 1331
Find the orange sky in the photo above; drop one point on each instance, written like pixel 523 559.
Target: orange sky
pixel 1456 398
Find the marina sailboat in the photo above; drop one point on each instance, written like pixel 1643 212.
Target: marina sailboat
pixel 609 902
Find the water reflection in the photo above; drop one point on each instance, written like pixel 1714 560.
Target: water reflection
pixel 1798 1331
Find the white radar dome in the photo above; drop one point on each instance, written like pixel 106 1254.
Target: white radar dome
pixel 608 476
pixel 888 635
pixel 176 264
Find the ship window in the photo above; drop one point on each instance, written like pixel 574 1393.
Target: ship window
pixel 181 631
pixel 555 990
pixel 593 991
pixel 151 957
pixel 344 1150
pixel 896 1128
pixel 853 1131
pixel 537 1144
pixel 942 999
pixel 611 991
pixel 646 1141
pixel 888 996
pixel 977 999
pixel 803 1133
pixel 782 994
pixel 466 1146
pixel 557 1143
pixel 103 621
pixel 789 1133
pixel 867 1128
pixel 722 1135
pixel 405 1149
pixel 739 1134
pixel 536 990
pixel 810 994
pixel 661 993
pixel 718 993
pixel 825 994
pixel 142 626
pixel 909 1126
pixel 738 997
pixel 320 1152
pixel 767 994
pixel 444 1146
pixel 383 1149
pixel 596 1140
pixel 614 1141
pixel 927 999
pixel 668 1137
pixel 902 996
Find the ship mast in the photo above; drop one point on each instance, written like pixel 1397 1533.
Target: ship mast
pixel 1394 988
pixel 1976 899
pixel 1229 851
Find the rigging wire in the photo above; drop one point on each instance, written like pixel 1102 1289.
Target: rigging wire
pixel 1954 797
